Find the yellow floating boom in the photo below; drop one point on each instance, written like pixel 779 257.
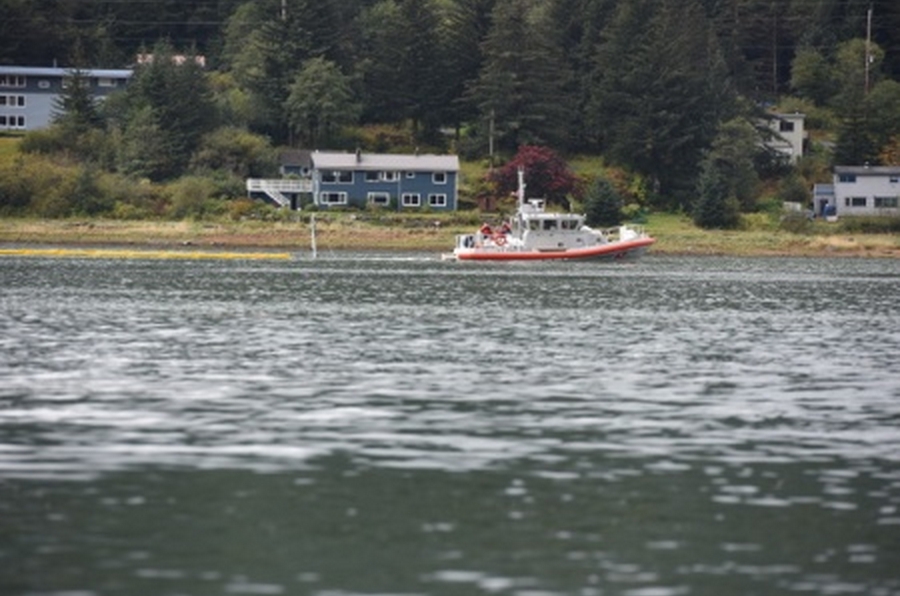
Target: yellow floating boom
pixel 114 253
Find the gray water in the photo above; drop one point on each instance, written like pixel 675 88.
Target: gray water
pixel 360 425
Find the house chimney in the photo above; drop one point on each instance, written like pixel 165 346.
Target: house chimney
pixel 358 155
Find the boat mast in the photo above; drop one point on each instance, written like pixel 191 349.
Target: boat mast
pixel 521 188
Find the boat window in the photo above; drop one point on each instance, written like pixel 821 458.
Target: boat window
pixel 534 225
pixel 549 224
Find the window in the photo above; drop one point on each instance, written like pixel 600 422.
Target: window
pixel 437 200
pixel 847 178
pixel 379 198
pixel 886 202
pixel 43 84
pixel 854 201
pixel 17 101
pixel 895 179
pixel 410 174
pixel 12 121
pixel 338 177
pixel 439 177
pixel 411 199
pixel 390 176
pixel 549 224
pixel 373 176
pixel 333 198
pixel 106 82
pixel 786 126
pixel 12 81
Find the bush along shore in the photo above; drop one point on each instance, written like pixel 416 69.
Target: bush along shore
pixel 675 235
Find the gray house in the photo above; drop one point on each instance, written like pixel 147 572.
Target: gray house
pixel 29 95
pixel 859 190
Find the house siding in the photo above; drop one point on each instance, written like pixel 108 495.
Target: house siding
pixel 42 90
pixel 867 190
pixel 396 176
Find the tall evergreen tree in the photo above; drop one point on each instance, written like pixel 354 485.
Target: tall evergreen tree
pixel 662 90
pixel 177 96
pixel 320 102
pixel 464 26
pixel 523 85
pixel 76 110
pixel 603 204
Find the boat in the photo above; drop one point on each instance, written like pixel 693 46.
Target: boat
pixel 534 234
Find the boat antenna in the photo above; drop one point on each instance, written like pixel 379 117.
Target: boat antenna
pixel 521 188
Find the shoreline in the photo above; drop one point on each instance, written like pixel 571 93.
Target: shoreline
pixel 351 234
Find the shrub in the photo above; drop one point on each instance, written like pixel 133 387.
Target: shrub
pixel 870 225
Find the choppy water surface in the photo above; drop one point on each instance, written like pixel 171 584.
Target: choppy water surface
pixel 364 425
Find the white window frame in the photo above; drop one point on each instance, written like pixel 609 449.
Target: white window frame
pixel 390 176
pixel 332 197
pixel 12 101
pixel 379 198
pixel 411 199
pixel 12 80
pixel 107 82
pixel 11 122
pixel 856 202
pixel 410 175
pixel 337 177
pixel 437 200
pixel 373 176
pixel 887 202
pixel 439 178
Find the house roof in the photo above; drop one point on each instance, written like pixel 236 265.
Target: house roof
pixel 868 170
pixel 39 71
pixel 295 157
pixel 384 161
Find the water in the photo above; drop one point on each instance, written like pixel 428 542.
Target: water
pixel 374 426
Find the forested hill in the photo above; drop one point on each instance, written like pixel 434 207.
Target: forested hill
pixel 649 84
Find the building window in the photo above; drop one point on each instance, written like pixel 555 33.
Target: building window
pixel 106 82
pixel 43 84
pixel 886 202
pixel 411 199
pixel 847 178
pixel 338 177
pixel 379 198
pixel 437 200
pixel 854 201
pixel 410 175
pixel 12 121
pixel 439 177
pixel 333 198
pixel 16 101
pixel 786 126
pixel 372 176
pixel 12 81
pixel 390 176
pixel 895 179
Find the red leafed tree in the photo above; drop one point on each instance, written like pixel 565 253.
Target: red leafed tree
pixel 547 175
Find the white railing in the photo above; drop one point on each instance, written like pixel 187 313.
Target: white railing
pixel 274 187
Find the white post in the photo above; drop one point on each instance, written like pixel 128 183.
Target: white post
pixel 312 233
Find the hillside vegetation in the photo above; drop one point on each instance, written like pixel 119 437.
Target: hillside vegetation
pixel 657 106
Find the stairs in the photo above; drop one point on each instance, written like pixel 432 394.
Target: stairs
pixel 275 188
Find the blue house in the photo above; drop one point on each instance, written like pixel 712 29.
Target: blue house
pixel 29 95
pixel 408 182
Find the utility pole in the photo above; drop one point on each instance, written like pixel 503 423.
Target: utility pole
pixel 868 45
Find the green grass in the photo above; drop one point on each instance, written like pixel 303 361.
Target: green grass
pixel 9 147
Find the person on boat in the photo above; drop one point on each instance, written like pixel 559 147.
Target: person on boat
pixel 505 229
pixel 486 229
